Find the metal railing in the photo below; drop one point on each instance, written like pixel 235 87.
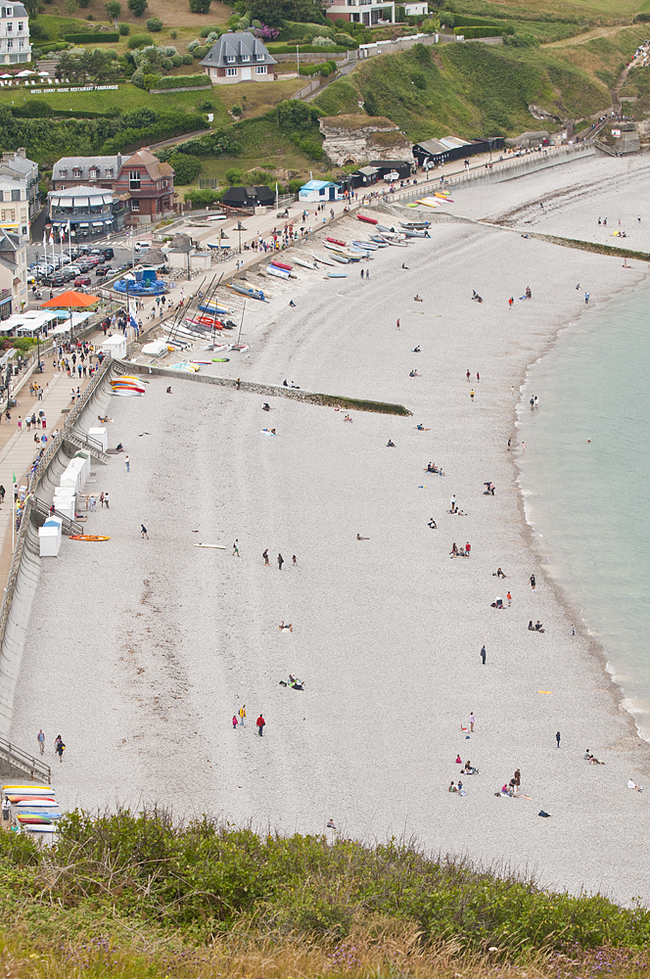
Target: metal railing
pixel 26 762
pixel 86 443
pixel 69 525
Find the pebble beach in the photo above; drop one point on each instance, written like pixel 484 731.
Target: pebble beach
pixel 140 651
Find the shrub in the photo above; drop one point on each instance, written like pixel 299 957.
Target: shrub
pixel 187 59
pixel 139 41
pixel 35 30
pixel 137 78
pixel 234 177
pixel 154 25
pixel 326 71
pixel 92 38
pixel 113 9
pixel 137 7
pixel 150 81
pixel 205 105
pixel 200 6
pixel 124 30
pixel 177 60
pixel 305 49
pixel 185 81
pixel 476 32
pixel 312 148
pixel 202 198
pixel 166 64
pixel 236 110
pixel 193 45
pixel 201 51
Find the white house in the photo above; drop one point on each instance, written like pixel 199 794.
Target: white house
pixel 416 9
pixel 13 268
pixel 14 35
pixel 318 191
pixel 369 12
pixel 238 57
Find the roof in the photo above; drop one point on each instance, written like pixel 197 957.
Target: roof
pixel 318 184
pixel 368 171
pixel 153 166
pixel 15 161
pixel 18 10
pixel 63 168
pixel 241 195
pixel 74 196
pixel 9 244
pixel 237 48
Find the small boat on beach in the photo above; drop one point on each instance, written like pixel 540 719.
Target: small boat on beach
pixel 364 217
pixel 337 275
pixel 281 265
pixel 371 246
pixel 90 537
pixel 415 225
pixel 417 234
pixel 319 258
pixel 379 241
pixel 279 273
pixel 336 241
pixel 248 292
pixel 305 265
pixel 341 259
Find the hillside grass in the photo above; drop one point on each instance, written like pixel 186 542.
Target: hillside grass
pixel 136 895
pixel 604 11
pixel 474 89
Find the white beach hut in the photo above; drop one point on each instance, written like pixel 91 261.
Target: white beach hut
pixel 49 537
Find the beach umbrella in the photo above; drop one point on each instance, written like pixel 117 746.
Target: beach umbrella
pixel 71 300
pixel 24 74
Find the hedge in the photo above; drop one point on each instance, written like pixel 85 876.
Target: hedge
pixel 184 81
pixel 475 32
pixel 275 48
pixel 92 38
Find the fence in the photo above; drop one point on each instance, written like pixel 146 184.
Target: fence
pixel 26 762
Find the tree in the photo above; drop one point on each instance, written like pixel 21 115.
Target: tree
pixel 137 7
pixel 113 10
pixel 186 167
pixel 31 6
pixel 200 6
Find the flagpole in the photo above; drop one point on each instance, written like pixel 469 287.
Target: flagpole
pixel 13 512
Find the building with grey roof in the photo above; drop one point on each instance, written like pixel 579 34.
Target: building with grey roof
pixel 86 171
pixel 238 57
pixel 15 47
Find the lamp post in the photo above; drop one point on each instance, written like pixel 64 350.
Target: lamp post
pixel 298 58
pixel 240 227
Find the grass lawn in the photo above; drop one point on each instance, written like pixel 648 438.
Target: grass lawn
pixel 127 98
pixel 614 10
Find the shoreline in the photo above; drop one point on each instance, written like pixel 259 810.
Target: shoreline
pixel 387 633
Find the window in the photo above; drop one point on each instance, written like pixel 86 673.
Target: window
pixel 20 25
pixel 135 205
pixel 10 43
pixel 8 214
pixel 93 173
pixel 230 58
pixel 76 172
pixel 15 195
pixel 245 57
pixel 260 70
pixel 109 171
pixel 231 71
pixel 21 44
pixel 134 180
pixel 260 57
pixel 10 28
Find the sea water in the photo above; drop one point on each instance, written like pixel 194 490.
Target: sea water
pixel 585 476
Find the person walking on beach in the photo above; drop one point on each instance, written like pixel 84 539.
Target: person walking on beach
pixel 242 715
pixel 40 737
pixel 280 562
pixel 265 555
pixel 397 327
pixel 59 747
pixel 471 394
pixel 127 463
pixel 143 532
pixel 509 597
pixel 557 738
pixel 532 582
pixel 106 501
pixel 235 722
pixel 101 500
pixel 471 721
pixel 467 375
pixel 483 655
pixel 235 549
pixel 260 722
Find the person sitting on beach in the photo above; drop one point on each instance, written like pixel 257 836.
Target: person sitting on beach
pixel 359 537
pixel 285 383
pixel 420 427
pixel 390 444
pixel 266 406
pixel 452 788
pixel 416 350
pixel 348 418
pixel 431 468
pixel 489 489
pixel 404 266
pixel 497 603
pixel 169 390
pixel 119 447
pixel 331 824
pixel 432 524
pixel 539 627
pixel 592 759
pixel 414 373
pixel 454 553
pixel 418 299
pixel 498 573
pixel 528 294
pixel 461 790
pixel 288 627
pixel 531 627
pixel 632 785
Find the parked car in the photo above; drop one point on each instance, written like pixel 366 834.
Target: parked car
pixel 103 271
pixel 125 266
pixel 82 280
pixel 53 281
pixel 142 246
pixel 108 253
pixel 67 275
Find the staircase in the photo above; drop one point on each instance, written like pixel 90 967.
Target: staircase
pixel 86 444
pixel 68 526
pixel 28 764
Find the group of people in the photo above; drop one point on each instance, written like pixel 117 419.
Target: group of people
pixel 239 720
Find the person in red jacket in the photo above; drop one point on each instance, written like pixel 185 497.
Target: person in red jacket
pixel 260 725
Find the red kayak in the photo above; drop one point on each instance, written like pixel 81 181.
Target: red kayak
pixel 335 241
pixel 362 217
pixel 282 265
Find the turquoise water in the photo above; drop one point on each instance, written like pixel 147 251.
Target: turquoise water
pixel 589 501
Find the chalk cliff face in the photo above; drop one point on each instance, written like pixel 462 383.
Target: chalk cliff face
pixel 357 139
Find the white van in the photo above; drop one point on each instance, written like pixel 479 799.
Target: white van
pixel 142 246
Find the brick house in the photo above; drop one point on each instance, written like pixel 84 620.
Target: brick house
pixel 150 186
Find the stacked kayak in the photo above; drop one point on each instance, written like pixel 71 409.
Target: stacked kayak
pixel 127 386
pixel 35 807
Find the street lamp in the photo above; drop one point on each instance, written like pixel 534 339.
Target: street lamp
pixel 298 58
pixel 240 227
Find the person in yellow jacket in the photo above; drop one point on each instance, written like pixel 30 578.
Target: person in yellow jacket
pixel 242 715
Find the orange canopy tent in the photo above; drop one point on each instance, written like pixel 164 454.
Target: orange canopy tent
pixel 71 300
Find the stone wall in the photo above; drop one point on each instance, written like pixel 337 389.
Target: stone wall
pixel 357 139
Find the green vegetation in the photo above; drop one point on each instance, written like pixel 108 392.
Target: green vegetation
pixel 92 38
pixel 137 896
pixel 184 81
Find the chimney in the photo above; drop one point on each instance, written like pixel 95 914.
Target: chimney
pixel 21 152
